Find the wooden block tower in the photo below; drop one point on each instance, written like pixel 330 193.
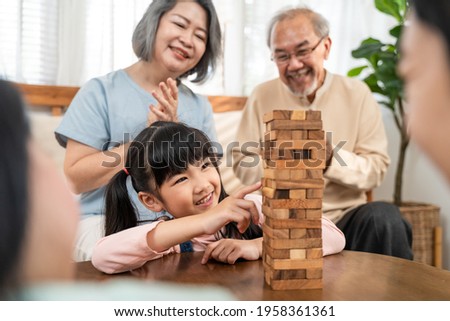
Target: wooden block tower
pixel 293 154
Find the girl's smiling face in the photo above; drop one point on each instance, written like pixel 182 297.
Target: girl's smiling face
pixel 192 192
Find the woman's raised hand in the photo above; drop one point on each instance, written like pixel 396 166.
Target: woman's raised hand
pixel 167 106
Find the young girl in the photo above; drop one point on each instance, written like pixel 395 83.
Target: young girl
pixel 173 167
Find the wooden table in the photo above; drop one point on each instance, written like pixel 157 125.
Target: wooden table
pixel 346 276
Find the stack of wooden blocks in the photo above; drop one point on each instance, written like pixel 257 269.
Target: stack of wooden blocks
pixel 293 153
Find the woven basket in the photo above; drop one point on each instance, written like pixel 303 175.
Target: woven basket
pixel 424 219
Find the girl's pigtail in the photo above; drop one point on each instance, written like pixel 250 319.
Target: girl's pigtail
pixel 120 213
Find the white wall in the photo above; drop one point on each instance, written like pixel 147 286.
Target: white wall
pixel 422 182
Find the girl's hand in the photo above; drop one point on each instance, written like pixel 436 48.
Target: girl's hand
pixel 234 208
pixel 229 250
pixel 167 107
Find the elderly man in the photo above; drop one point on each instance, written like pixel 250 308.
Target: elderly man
pixel 356 155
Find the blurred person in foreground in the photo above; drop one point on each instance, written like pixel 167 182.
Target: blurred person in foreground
pixel 425 68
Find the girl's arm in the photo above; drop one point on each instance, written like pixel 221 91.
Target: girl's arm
pixel 333 240
pixel 232 209
pixel 126 250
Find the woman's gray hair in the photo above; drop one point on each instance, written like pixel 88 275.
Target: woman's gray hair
pixel 145 33
pixel 320 24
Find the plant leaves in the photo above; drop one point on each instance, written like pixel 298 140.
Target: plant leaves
pixel 356 71
pixel 367 48
pixel 396 31
pixel 372 82
pixel 390 7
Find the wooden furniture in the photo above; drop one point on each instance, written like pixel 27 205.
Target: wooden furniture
pixel 57 98
pixel 346 276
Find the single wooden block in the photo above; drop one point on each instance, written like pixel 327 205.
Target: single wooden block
pixel 283 174
pixel 312 214
pixel 293 233
pixel 287 274
pixel 298 144
pixel 313 203
pixel 314 232
pixel 279 135
pixel 314 274
pixel 293 223
pixel 268 277
pixel 297 233
pixel 297 284
pixel 294 125
pixel 299 134
pixel 313 115
pixel 296 213
pixel 291 264
pixel 277 115
pixel 318 154
pixel 313 253
pixel 297 254
pixel 273 153
pixel 275 193
pixel 314 173
pixel 276 213
pixel 265 146
pixel 314 193
pixel 268 192
pixel 315 134
pixel 278 233
pixel 298 115
pixel 276 253
pixel 299 184
pixel 295 164
pixel 297 193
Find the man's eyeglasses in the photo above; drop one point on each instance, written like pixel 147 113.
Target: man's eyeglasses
pixel 282 58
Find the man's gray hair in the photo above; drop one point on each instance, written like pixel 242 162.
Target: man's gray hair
pixel 320 24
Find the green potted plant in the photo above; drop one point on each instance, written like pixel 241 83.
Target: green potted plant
pixel 382 79
pixel 380 74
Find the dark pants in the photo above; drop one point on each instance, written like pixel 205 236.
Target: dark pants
pixel 377 227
